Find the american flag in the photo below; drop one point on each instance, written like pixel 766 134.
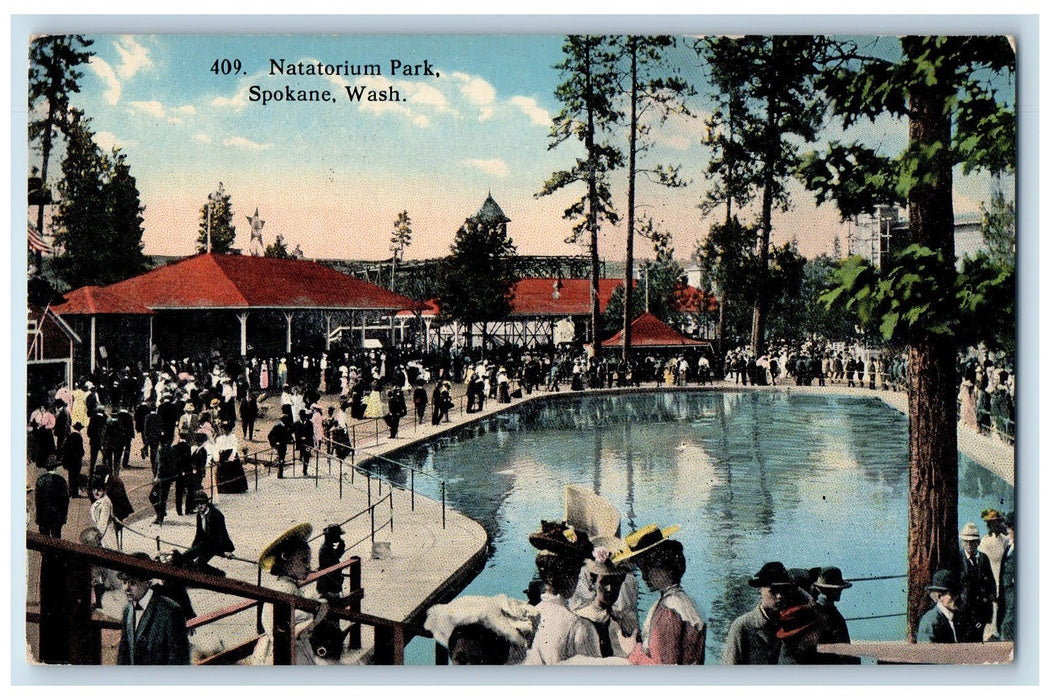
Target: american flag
pixel 36 241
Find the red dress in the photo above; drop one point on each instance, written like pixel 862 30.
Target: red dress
pixel 674 633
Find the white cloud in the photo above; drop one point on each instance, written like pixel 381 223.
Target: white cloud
pixel 186 110
pixel 238 101
pixel 478 92
pixel 424 94
pixel 133 57
pixel 679 132
pixel 151 108
pixel 105 72
pixel 492 166
pixel 202 138
pixel 536 114
pixel 241 142
pixel 174 120
pixel 107 141
pixel 422 121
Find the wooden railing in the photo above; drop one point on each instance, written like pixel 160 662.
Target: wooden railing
pixel 71 634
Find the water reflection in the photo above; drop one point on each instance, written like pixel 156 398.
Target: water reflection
pixel 808 480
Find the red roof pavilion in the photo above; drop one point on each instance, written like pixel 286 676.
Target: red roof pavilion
pixel 211 281
pixel 647 331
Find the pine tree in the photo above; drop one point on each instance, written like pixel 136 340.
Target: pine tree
pixel 400 238
pixel 956 95
pixel 99 220
pixel 277 249
pixel 53 76
pixel 223 231
pixel 475 280
pixel 587 93
pixel 655 94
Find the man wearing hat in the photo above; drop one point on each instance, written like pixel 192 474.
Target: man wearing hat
pixel 73 458
pixel 153 631
pixel 211 538
pixel 752 637
pixel 938 625
pixel 994 545
pixel 674 631
pixel 330 586
pixel 978 587
pixel 829 586
pixel 52 500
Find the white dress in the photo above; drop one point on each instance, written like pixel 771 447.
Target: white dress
pixel 304 655
pixel 102 517
pixel 561 635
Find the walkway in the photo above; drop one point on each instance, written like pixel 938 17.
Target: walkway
pixel 423 554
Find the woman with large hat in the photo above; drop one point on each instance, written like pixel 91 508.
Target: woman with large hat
pixel 674 632
pixel 288 559
pixel 617 631
pixel 561 634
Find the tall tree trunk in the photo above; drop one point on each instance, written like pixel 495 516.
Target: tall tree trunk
pixel 628 275
pixel 933 503
pixel 45 156
pixel 592 197
pixel 758 318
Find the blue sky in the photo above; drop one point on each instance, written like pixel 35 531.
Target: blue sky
pixel 331 177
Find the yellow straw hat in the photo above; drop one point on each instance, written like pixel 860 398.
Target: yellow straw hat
pixel 643 540
pixel 269 555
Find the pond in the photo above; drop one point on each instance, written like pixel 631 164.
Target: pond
pixel 809 480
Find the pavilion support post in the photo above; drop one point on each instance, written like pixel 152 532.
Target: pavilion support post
pixel 243 318
pixel 363 324
pixel 288 332
pixel 149 345
pixel 327 331
pixel 427 323
pixel 93 345
pixel 392 343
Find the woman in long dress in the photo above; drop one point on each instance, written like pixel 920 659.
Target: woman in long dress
pixel 374 403
pixel 102 516
pixel 288 559
pixel 674 632
pixel 561 634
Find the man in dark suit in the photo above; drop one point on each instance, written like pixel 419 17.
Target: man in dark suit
pixel 978 587
pixel 153 632
pixel 939 624
pixel 829 587
pixel 52 500
pixel 211 539
pixel 185 488
pixel 73 458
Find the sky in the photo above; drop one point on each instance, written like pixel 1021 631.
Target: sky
pixel 473 118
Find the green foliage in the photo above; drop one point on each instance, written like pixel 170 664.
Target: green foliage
pixel 588 115
pixel 962 79
pixel 912 297
pixel 53 76
pixel 999 228
pixel 665 276
pixel 277 249
pixel 99 220
pixel 475 281
pixel 223 231
pixel 728 268
pixel 401 237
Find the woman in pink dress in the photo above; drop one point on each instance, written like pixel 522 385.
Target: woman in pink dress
pixel 674 632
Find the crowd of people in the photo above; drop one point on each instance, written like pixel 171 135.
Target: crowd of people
pixel 186 413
